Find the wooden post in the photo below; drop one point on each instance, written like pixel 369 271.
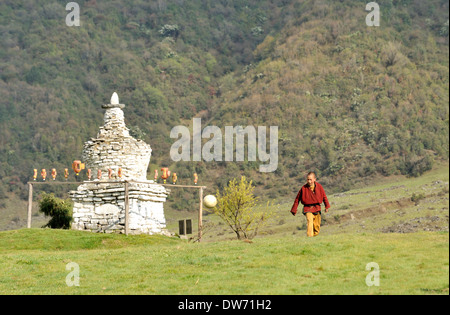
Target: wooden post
pixel 200 215
pixel 127 209
pixel 30 204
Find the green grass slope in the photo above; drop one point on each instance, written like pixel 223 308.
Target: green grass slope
pixel 401 224
pixel 34 262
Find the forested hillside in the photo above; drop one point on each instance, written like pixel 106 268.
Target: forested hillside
pixel 350 101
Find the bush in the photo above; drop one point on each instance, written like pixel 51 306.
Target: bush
pixel 170 31
pixel 416 166
pixel 237 208
pixel 60 211
pixel 417 197
pixel 391 55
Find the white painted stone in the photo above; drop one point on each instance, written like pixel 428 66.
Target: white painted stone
pixel 107 209
pixel 115 99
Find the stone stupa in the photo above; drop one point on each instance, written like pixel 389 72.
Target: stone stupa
pixel 113 157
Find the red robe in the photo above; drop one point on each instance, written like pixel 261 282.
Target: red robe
pixel 310 200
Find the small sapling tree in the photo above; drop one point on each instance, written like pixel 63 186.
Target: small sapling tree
pixel 237 207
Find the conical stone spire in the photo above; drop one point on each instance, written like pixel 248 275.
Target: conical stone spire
pixel 114 147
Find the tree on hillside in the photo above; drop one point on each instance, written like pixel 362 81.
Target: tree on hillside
pixel 236 206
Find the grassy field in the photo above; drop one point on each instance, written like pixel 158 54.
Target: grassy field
pixel 34 262
pixel 385 206
pixel 399 223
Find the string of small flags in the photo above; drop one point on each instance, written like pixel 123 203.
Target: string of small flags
pixel 77 167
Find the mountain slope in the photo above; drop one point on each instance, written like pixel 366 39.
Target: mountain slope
pixel 351 102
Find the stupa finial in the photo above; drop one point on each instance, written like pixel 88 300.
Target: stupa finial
pixel 115 99
pixel 114 103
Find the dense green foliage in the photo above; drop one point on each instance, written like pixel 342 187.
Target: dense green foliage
pixel 351 101
pixel 59 210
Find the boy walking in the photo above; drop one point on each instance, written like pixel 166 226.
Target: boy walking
pixel 311 195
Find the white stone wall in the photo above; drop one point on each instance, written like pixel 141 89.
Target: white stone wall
pixel 100 207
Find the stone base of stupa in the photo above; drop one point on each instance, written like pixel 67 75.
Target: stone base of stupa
pixel 100 207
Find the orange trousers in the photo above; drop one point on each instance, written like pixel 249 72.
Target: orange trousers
pixel 312 224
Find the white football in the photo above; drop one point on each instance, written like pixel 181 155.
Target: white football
pixel 210 201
